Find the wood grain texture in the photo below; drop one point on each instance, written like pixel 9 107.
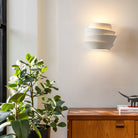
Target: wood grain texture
pixel 69 128
pixel 136 127
pixel 101 123
pixel 101 129
pixel 100 114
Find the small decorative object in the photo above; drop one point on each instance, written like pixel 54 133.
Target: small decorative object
pixel 127 109
pixel 132 99
pixel 19 112
pixel 130 109
pixel 100 36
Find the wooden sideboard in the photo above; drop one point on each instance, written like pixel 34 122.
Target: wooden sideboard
pixel 101 123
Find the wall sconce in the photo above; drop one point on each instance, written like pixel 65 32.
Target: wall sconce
pixel 100 36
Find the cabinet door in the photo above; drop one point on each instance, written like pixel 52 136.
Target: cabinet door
pixel 102 129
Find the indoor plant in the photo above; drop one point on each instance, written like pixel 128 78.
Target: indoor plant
pixel 28 83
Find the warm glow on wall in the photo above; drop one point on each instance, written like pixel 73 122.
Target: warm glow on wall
pixel 98 19
pixel 100 58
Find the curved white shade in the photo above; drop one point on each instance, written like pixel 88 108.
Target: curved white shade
pixel 100 36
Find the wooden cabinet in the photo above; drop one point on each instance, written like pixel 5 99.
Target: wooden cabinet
pixel 102 129
pixel 101 123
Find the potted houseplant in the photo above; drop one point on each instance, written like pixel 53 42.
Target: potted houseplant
pixel 28 83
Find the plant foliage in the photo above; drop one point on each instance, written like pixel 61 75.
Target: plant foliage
pixel 29 80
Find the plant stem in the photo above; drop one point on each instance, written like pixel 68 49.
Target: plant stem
pixel 16 118
pixel 16 113
pixel 32 101
pixel 32 98
pixel 31 91
pixel 31 86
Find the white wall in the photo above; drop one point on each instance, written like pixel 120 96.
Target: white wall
pixel 22 30
pixel 47 44
pixel 86 78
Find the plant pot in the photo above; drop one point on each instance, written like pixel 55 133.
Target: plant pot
pixel 45 133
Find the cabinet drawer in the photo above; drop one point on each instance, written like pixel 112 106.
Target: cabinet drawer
pixel 102 129
pixel 136 136
pixel 136 125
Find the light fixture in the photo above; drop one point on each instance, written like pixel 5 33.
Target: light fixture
pixel 100 36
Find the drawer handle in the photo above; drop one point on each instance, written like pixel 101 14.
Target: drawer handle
pixel 120 124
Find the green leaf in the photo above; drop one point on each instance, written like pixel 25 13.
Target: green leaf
pixel 52 103
pixel 28 79
pixel 15 66
pixel 17 72
pixel 43 98
pixel 47 90
pixel 55 129
pixel 56 119
pixel 48 82
pixel 21 128
pixel 55 88
pixel 24 63
pixel 57 98
pixel 42 85
pixel 21 107
pixel 57 113
pixel 37 89
pixel 23 116
pixel 41 111
pixel 36 69
pixel 27 89
pixel 19 82
pixel 62 124
pixel 31 59
pixel 7 106
pixel 7 136
pixel 65 108
pixel 27 105
pixel 43 76
pixel 59 103
pixel 35 61
pixel 28 57
pixel 40 63
pixel 12 85
pixel 27 110
pixel 44 69
pixel 23 73
pixel 36 130
pixel 53 124
pixel 49 99
pixel 4 115
pixel 27 101
pixel 18 97
pixel 48 107
pixel 11 118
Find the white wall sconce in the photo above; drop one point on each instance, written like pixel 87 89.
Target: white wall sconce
pixel 100 36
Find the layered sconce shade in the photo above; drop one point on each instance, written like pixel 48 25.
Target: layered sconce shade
pixel 100 36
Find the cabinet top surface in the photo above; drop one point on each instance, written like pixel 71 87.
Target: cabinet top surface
pixel 93 113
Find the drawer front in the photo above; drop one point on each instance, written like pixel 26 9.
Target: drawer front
pixel 136 125
pixel 102 129
pixel 136 136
